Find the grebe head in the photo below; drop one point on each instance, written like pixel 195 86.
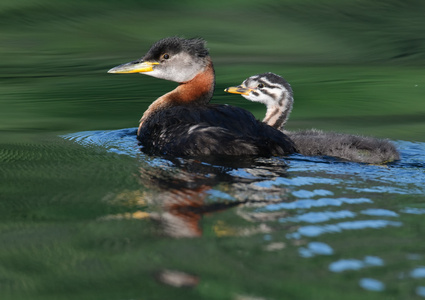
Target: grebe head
pixel 271 90
pixel 171 58
pixel 268 88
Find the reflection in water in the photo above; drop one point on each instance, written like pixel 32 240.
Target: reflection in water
pixel 379 212
pixel 314 231
pixel 177 189
pixel 293 202
pixel 414 210
pixel 355 264
pixel 418 272
pixel 321 202
pixel 184 192
pixel 371 284
pixel 320 216
pixel 315 248
pixel 186 188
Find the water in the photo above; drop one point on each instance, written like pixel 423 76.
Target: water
pixel 89 209
pixel 354 224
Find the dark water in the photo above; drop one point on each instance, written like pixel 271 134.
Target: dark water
pixel 85 215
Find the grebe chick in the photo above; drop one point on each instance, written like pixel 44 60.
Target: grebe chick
pixel 182 123
pixel 276 93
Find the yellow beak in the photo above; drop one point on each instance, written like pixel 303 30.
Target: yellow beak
pixel 238 90
pixel 134 67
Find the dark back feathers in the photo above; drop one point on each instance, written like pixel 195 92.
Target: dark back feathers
pixel 211 130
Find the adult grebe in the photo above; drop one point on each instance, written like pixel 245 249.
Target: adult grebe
pixel 276 93
pixel 181 123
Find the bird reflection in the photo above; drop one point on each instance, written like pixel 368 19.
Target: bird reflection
pixel 180 194
pixel 177 192
pixel 181 212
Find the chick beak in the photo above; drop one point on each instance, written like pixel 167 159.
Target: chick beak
pixel 238 90
pixel 136 66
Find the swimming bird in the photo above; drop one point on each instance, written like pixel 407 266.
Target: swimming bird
pixel 276 93
pixel 182 123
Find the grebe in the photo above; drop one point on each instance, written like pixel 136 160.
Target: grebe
pixel 182 123
pixel 276 93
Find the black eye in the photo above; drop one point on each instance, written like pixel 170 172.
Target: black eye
pixel 260 86
pixel 165 56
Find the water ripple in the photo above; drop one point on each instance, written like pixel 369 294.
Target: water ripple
pixel 315 248
pixel 418 272
pixel 297 181
pixel 317 217
pixel 309 203
pixel 355 264
pixel 315 230
pixel 403 177
pixel 371 284
pixel 414 211
pixel 310 194
pixel 420 291
pixel 122 141
pixel 379 212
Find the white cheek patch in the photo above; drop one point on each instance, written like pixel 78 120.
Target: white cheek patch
pixel 182 68
pixel 154 73
pixel 179 68
pixel 269 95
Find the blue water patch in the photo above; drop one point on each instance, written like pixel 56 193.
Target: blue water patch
pixel 413 210
pixel 379 212
pixel 316 230
pixel 373 261
pixel 371 284
pixel 242 173
pixel 122 141
pixel 386 189
pixel 216 194
pixel 311 194
pixel 402 177
pixel 355 264
pixel 315 248
pixel 317 217
pixel 297 181
pixel 420 291
pixel 320 248
pixel 346 264
pixel 419 272
pixel 322 202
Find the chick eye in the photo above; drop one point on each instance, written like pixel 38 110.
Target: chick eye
pixel 165 56
pixel 260 85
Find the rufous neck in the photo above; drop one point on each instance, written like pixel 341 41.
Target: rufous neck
pixel 197 91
